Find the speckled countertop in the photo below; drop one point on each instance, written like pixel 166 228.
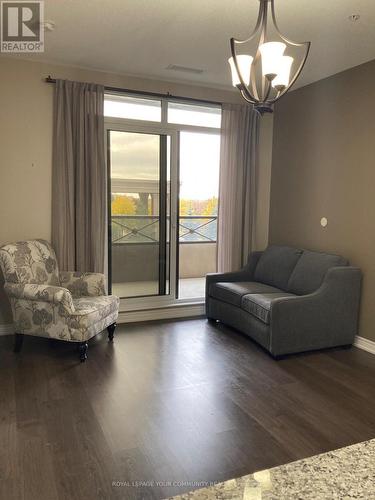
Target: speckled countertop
pixel 344 474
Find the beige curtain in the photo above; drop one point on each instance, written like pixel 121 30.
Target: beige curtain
pixel 238 185
pixel 79 177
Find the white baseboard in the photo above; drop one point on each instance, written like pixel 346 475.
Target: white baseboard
pixel 6 329
pixel 185 311
pixel 365 344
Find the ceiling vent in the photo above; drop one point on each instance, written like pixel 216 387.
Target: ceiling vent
pixel 184 69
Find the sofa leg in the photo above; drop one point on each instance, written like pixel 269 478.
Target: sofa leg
pixel 18 341
pixel 212 321
pixel 111 331
pixel 83 346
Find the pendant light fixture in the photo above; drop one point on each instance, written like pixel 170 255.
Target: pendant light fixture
pixel 269 73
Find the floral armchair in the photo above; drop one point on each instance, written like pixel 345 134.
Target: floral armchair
pixel 70 306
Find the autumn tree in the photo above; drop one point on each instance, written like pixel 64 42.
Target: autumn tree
pixel 123 205
pixel 211 207
pixel 186 207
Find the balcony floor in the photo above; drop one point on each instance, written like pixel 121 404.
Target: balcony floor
pixel 190 288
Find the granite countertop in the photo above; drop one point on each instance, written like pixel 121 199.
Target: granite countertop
pixel 344 474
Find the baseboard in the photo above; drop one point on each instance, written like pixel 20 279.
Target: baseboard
pixel 364 344
pixel 185 311
pixel 6 329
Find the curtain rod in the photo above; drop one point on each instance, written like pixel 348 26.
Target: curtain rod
pixel 49 79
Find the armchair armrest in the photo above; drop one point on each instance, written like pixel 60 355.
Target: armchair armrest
pixel 328 316
pixel 83 284
pixel 41 293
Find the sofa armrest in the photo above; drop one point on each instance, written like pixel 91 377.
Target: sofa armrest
pixel 83 284
pixel 41 293
pixel 328 316
pixel 234 276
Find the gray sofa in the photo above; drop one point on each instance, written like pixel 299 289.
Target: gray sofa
pixel 289 300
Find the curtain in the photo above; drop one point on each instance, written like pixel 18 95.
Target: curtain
pixel 79 177
pixel 238 185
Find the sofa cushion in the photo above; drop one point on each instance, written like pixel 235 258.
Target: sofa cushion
pixel 259 304
pixel 232 293
pixel 276 265
pixel 310 270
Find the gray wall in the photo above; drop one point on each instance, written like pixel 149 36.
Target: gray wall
pixel 324 166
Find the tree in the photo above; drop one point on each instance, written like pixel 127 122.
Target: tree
pixel 211 207
pixel 123 205
pixel 186 207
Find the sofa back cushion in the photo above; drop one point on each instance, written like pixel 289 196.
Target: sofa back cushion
pixel 310 270
pixel 32 261
pixel 276 265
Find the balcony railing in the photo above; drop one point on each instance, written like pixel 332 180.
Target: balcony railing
pixel 145 228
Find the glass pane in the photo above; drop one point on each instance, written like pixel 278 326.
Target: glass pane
pixel 135 204
pixel 199 188
pixel 132 107
pixel 192 114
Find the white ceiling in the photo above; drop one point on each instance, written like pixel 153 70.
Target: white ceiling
pixel 143 37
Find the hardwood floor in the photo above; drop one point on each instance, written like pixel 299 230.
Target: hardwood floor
pixel 181 401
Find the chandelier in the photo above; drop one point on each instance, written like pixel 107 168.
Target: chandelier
pixel 264 78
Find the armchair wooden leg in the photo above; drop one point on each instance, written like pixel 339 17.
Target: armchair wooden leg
pixel 111 331
pixel 83 346
pixel 18 341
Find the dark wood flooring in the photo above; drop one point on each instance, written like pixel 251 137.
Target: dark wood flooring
pixel 179 401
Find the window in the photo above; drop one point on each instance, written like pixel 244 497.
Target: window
pixel 133 108
pixel 193 114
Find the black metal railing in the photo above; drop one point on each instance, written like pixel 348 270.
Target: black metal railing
pixel 145 228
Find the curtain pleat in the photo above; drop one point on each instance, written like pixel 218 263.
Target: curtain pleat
pixel 238 185
pixel 79 176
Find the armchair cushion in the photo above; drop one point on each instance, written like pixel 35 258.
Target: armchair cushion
pixel 91 310
pixel 232 293
pixel 83 284
pixel 32 261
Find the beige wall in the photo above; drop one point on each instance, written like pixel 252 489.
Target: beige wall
pixel 26 142
pixel 324 166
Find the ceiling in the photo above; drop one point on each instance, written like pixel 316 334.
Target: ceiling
pixel 143 37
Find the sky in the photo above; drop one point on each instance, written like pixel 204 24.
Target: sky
pixel 136 156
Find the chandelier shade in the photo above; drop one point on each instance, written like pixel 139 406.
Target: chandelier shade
pixel 264 77
pixel 271 53
pixel 244 64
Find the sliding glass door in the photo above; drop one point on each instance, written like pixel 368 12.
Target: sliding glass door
pixel 163 171
pixel 139 173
